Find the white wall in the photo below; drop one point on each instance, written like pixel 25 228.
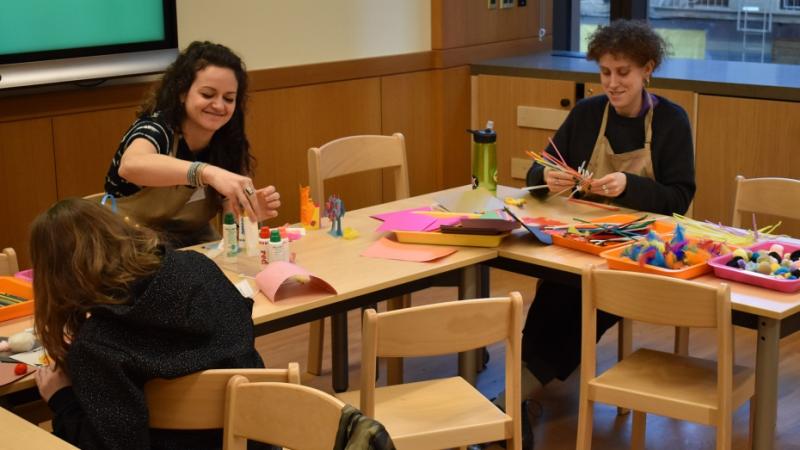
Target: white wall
pixel 280 33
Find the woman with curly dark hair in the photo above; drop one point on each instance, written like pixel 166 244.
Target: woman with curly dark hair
pixel 188 150
pixel 114 309
pixel 639 148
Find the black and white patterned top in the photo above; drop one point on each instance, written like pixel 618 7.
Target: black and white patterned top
pixel 161 136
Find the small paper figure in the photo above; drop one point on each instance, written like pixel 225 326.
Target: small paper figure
pixel 309 211
pixel 334 210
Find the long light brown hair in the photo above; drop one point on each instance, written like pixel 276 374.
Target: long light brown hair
pixel 83 255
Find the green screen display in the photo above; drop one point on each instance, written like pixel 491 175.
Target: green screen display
pixel 29 26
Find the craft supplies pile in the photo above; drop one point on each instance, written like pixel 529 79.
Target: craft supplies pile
pixel 773 262
pixel 676 253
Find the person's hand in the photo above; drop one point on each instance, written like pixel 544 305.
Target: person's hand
pixel 611 185
pixel 558 181
pixel 238 189
pixel 50 380
pixel 269 200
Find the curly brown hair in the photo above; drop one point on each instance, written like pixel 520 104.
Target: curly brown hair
pixel 633 39
pixel 83 255
pixel 229 147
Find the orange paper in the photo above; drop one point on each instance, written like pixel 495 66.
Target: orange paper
pixel 388 249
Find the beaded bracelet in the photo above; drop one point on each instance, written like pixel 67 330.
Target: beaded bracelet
pixel 194 174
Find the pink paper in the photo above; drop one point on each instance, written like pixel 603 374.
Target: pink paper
pixel 280 280
pixel 407 221
pixel 7 374
pixel 443 221
pixel 388 249
pixel 384 216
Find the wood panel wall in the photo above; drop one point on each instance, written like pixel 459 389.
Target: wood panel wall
pixel 463 23
pixel 748 137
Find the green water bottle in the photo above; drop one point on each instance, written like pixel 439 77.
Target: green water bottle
pixel 484 158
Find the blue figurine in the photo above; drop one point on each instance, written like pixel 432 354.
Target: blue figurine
pixel 334 209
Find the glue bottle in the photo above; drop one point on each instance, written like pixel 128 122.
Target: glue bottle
pixel 229 238
pixel 263 247
pixel 277 249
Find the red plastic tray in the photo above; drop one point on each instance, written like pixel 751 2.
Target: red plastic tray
pixel 755 278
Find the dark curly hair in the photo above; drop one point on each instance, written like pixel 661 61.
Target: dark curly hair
pixel 229 147
pixel 633 39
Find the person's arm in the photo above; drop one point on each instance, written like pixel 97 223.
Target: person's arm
pixel 141 164
pixel 673 163
pixel 556 181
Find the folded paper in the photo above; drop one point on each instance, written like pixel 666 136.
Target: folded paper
pixel 281 280
pixel 386 248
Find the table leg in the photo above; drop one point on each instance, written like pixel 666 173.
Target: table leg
pixel 340 365
pixel 474 283
pixel 766 408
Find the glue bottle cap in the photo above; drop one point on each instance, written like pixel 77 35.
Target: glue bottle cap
pixel 229 220
pixel 264 233
pixel 275 235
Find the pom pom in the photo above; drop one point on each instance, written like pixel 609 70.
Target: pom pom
pixel 21 342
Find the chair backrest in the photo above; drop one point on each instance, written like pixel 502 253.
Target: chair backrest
pixel 774 196
pixel 438 329
pixel 286 415
pixel 197 401
pixel 355 154
pixel 8 262
pixel 660 300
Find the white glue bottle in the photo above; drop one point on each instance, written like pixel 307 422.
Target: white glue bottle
pixel 277 250
pixel 250 236
pixel 229 238
pixel 263 247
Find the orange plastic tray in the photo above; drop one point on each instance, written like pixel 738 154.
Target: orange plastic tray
pixel 586 247
pixel 615 260
pixel 20 288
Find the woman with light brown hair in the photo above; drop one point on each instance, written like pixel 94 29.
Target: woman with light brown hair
pixel 114 309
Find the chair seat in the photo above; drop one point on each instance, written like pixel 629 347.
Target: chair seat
pixel 436 414
pixel 670 385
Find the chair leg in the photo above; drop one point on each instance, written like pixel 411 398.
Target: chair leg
pixel 638 430
pixel 316 346
pixel 752 423
pixel 624 348
pixel 585 423
pixel 682 341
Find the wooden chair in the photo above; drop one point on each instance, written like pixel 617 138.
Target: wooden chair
pixel 197 401
pixel 773 196
pixel 8 262
pixel 650 381
pixel 288 415
pixel 448 412
pixel 346 156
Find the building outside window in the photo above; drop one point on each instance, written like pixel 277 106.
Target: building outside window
pixel 766 31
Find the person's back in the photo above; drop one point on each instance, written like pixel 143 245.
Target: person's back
pixel 137 311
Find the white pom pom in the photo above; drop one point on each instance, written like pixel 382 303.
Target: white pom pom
pixel 21 342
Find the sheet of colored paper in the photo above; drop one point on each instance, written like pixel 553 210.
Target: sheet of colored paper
pixel 7 374
pixel 386 215
pixel 442 221
pixel 407 221
pixel 280 280
pixel 386 248
pixel 475 200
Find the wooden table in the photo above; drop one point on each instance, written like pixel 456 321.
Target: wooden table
pixel 773 314
pixel 19 433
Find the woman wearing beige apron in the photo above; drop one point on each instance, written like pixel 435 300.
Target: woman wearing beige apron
pixel 639 148
pixel 186 158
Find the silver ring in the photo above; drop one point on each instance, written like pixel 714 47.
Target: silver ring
pixel 249 190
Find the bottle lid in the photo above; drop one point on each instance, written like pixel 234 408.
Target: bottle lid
pixel 275 235
pixel 485 136
pixel 229 220
pixel 264 233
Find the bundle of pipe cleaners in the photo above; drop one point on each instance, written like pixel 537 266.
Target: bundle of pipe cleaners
pixel 677 253
pixel 723 233
pixel 603 234
pixel 581 175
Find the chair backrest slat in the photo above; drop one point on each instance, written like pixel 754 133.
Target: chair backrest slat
pixel 197 401
pixel 773 196
pixel 655 299
pixel 354 154
pixel 282 414
pixel 8 262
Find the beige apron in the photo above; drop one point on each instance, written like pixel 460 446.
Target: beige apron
pixel 637 162
pixel 181 213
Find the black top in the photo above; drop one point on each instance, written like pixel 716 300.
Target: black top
pixel 185 318
pixel 155 130
pixel 671 148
